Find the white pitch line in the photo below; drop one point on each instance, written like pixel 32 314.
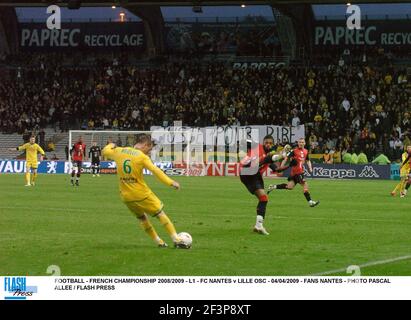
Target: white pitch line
pixel 46 208
pixel 302 218
pixel 340 219
pixel 365 265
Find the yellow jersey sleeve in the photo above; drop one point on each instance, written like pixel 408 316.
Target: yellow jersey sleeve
pixel 160 175
pixel 23 147
pixel 40 149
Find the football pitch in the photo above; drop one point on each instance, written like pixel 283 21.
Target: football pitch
pixel 87 231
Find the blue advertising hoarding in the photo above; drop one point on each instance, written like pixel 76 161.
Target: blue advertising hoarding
pixel 64 167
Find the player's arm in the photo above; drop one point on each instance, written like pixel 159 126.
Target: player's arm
pixel 43 154
pixel 72 152
pixel 160 175
pixel 309 164
pixel 284 163
pixel 287 157
pixel 21 148
pixel 249 160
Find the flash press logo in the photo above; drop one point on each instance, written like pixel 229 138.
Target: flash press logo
pixel 16 288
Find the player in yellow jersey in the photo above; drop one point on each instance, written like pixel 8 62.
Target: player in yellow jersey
pixel 32 149
pixel 134 191
pixel 404 173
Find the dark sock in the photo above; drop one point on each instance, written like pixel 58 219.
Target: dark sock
pixel 307 196
pixel 282 186
pixel 407 186
pixel 261 208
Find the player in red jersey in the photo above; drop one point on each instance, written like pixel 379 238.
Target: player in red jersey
pixel 252 167
pixel 298 157
pixel 78 154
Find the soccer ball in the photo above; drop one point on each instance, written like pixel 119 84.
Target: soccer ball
pixel 186 240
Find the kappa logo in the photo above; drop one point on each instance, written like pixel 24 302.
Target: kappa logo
pixel 368 172
pixel 333 173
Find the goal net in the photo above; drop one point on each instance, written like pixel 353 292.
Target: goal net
pixel 172 149
pixel 182 151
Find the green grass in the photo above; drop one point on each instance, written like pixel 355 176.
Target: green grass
pixel 88 231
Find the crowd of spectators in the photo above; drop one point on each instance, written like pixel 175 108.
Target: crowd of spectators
pixel 261 41
pixel 346 108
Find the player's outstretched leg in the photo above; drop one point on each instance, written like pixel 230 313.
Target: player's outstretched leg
pixel 151 232
pixel 402 187
pixel 273 187
pixel 307 196
pixel 261 210
pixel 171 230
pixel 407 186
pixel 397 188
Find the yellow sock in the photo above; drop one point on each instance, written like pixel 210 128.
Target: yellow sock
pixel 168 225
pixel 397 187
pixel 402 185
pixel 149 229
pixel 33 178
pixel 27 177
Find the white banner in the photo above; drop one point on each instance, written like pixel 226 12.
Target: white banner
pixel 221 135
pixel 204 288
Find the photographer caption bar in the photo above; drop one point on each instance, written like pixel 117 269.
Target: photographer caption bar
pixel 156 150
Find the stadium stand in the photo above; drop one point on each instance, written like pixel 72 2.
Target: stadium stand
pixel 350 105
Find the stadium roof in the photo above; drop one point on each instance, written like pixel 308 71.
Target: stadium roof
pixel 16 3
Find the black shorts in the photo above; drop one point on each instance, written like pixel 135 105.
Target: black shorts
pixel 298 178
pixel 95 163
pixel 78 164
pixel 253 182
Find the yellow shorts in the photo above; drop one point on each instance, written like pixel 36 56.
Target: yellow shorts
pixel 150 205
pixel 32 165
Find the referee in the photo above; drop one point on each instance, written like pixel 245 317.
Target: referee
pixel 95 156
